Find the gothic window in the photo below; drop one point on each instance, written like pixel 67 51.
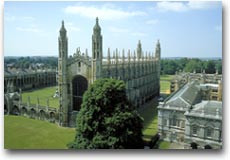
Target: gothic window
pixel 209 131
pixel 182 124
pixel 165 122
pixel 194 130
pixel 79 64
pixel 174 121
pixel 178 123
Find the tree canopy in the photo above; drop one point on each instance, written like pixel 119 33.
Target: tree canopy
pixel 170 66
pixel 107 119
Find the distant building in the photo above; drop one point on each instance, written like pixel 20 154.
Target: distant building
pixel 182 78
pixel 26 79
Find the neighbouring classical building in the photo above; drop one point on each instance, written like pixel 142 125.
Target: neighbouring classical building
pixel 203 127
pixel 192 116
pixel 141 73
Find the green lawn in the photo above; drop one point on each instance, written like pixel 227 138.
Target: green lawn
pixel 165 83
pixel 25 133
pixel 149 113
pixel 166 77
pixel 43 95
pixel 164 145
pixel 165 87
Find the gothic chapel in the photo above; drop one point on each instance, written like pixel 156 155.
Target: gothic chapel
pixel 139 71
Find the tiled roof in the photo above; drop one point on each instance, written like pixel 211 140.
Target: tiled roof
pixel 188 95
pixel 207 109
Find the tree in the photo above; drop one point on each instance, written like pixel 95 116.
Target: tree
pixel 219 66
pixel 194 65
pixel 107 119
pixel 168 66
pixel 210 67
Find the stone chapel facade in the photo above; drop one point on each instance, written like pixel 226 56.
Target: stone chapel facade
pixel 141 73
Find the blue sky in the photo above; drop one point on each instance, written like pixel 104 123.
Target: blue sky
pixel 185 29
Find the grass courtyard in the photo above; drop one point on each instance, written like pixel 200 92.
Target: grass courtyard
pixel 149 113
pixel 43 94
pixel 165 83
pixel 25 133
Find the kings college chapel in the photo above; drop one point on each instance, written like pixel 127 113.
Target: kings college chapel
pixel 139 71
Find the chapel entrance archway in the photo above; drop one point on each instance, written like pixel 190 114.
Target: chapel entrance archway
pixel 80 85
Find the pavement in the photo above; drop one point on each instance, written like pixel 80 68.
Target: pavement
pixel 176 146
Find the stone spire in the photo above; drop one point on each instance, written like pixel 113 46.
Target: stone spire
pixel 97 28
pixel 134 56
pixel 149 56
pixel 123 56
pixel 139 50
pixel 114 57
pixel 108 57
pixel 86 53
pixel 97 51
pixel 117 56
pixel 128 56
pixel 62 75
pixel 158 50
pixel 62 30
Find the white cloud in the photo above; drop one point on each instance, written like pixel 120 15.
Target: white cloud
pixel 202 4
pixel 138 34
pixel 171 6
pixel 185 6
pixel 118 30
pixel 105 12
pixel 28 29
pixel 152 22
pixel 11 18
pixel 28 18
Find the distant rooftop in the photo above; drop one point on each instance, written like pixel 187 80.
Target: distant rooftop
pixel 208 109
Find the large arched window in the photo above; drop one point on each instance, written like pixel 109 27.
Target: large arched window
pixel 80 85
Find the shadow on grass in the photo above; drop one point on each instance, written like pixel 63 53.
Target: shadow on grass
pixel 149 113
